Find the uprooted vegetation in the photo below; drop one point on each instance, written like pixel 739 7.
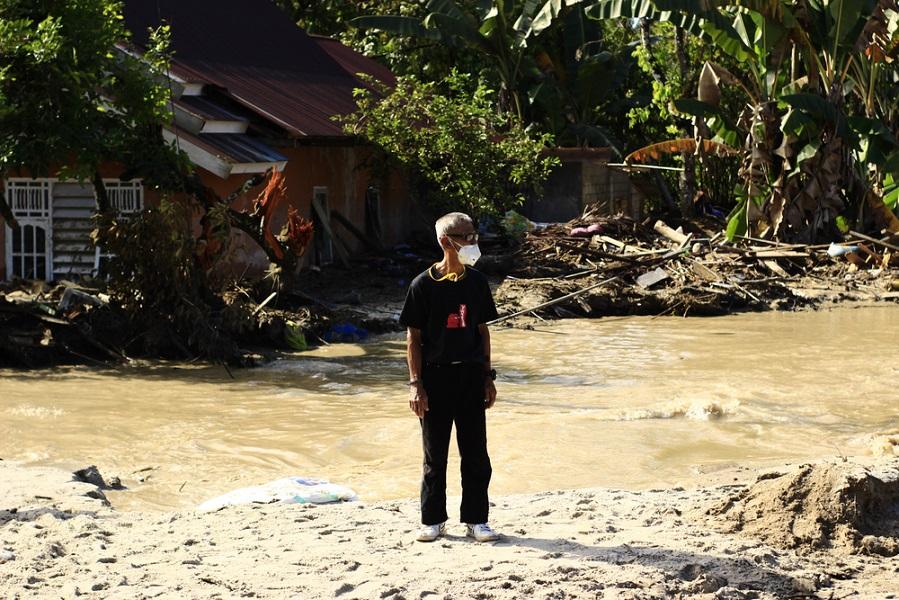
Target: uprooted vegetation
pixel 87 321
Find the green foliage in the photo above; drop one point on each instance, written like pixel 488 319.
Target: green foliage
pixel 736 220
pixel 403 53
pixel 67 95
pixel 155 278
pixel 467 155
pixel 495 30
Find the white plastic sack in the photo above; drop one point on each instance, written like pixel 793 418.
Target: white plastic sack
pixel 290 490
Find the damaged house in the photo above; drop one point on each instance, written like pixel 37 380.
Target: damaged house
pixel 251 92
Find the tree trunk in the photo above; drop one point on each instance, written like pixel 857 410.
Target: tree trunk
pixel 688 176
pixel 6 211
pixel 646 40
pixel 282 270
pixel 102 197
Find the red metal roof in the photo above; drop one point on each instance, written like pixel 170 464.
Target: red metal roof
pixel 354 62
pixel 260 57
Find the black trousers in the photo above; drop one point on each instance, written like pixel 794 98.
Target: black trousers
pixel 455 395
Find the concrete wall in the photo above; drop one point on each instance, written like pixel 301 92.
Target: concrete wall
pixel 584 179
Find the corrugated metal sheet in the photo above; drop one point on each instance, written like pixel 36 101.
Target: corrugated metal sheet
pixel 242 147
pixel 235 148
pixel 353 62
pixel 262 59
pixel 207 109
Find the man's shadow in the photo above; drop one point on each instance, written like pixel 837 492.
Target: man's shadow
pixel 740 572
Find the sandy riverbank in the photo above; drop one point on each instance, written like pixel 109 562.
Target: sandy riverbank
pixel 801 531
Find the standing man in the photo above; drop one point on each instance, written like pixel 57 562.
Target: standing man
pixel 450 378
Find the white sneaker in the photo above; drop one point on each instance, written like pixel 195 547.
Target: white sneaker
pixel 429 533
pixel 482 532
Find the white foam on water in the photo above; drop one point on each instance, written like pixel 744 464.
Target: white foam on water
pixel 36 412
pixel 696 411
pixel 306 366
pixel 880 443
pixel 336 386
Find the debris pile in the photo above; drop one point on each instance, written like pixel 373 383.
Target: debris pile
pixel 80 323
pixel 40 324
pixel 650 268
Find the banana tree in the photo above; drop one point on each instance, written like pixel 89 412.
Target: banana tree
pixel 497 29
pixel 812 140
pixel 581 86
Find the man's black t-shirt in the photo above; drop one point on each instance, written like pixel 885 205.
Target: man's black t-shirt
pixel 448 314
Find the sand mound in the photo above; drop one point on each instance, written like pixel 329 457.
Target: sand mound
pixel 841 506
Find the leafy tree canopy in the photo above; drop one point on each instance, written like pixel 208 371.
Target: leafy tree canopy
pixel 468 155
pixel 67 96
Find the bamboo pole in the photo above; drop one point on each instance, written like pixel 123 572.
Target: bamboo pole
pixel 554 301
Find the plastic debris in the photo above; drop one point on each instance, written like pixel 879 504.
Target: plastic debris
pixel 290 490
pixel 839 250
pixel 516 225
pixel 345 332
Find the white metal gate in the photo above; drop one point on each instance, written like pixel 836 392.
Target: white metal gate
pixel 29 252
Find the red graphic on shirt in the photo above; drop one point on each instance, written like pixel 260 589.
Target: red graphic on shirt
pixel 458 320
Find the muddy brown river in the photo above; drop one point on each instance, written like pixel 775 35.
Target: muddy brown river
pixel 620 402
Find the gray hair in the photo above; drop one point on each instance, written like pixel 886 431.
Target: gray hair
pixel 449 222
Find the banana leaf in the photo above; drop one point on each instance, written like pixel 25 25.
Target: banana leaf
pixel 679 146
pixel 643 9
pixel 450 9
pixel 450 28
pixel 876 141
pixel 396 24
pixel 737 223
pixel 848 20
pixel 891 192
pixel 819 109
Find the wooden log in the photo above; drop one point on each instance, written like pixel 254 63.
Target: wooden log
pixel 704 272
pixel 554 301
pixel 780 254
pixel 372 244
pixel 342 253
pixel 671 234
pixel 775 268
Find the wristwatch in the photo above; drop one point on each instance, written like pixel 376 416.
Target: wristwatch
pixel 492 374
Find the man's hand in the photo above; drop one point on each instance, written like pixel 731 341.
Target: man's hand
pixel 418 399
pixel 489 393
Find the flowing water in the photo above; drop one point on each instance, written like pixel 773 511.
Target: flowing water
pixel 619 402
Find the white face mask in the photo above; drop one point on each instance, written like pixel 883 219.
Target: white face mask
pixel 469 255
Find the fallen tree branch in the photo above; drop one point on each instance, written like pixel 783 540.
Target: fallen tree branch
pixel 874 240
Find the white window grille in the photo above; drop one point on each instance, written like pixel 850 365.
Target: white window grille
pixel 28 247
pixel 125 198
pixel 29 198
